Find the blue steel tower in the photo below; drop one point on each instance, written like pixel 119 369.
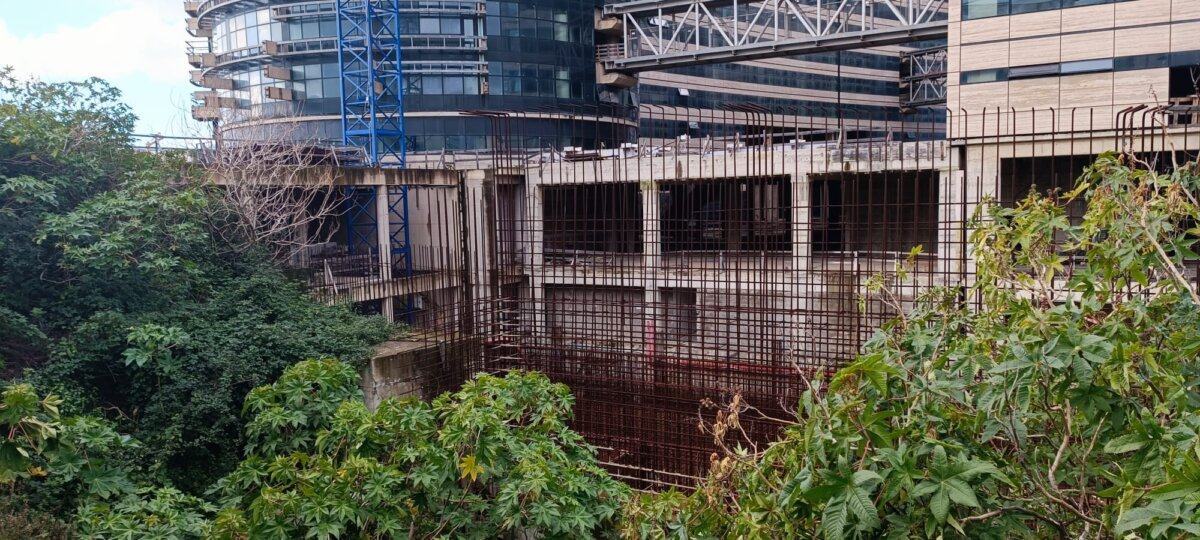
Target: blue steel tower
pixel 369 62
pixel 369 56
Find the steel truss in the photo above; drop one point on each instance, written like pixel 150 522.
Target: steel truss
pixel 369 56
pixel 660 34
pixel 923 78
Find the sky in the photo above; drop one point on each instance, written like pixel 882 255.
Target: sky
pixel 138 45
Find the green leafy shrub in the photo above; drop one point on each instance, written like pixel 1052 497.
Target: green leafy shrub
pixel 492 459
pixel 1064 404
pixel 29 424
pixel 150 513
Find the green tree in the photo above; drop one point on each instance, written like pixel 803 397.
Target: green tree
pixel 493 459
pixel 59 145
pixel 119 294
pixel 1063 404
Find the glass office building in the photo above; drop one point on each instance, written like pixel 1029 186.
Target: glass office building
pixel 273 64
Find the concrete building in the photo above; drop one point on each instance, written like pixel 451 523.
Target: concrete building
pixel 660 277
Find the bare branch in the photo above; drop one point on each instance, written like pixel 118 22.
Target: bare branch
pixel 278 191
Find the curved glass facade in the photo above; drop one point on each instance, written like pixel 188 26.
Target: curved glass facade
pixel 534 56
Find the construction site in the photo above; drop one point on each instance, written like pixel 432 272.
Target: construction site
pixel 734 250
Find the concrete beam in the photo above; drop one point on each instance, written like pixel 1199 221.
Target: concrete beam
pixel 363 177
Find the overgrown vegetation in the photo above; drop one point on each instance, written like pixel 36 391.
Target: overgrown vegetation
pixel 159 387
pixel 493 459
pixel 122 296
pixel 1063 404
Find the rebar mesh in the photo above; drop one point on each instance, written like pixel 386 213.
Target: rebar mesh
pixel 727 253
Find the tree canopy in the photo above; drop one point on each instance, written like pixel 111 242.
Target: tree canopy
pixel 119 295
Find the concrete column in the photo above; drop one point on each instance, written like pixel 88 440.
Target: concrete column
pixel 801 284
pixel 480 189
pixel 653 264
pixel 383 227
pixel 537 259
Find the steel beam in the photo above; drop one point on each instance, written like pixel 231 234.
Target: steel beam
pixel 659 34
pixel 773 49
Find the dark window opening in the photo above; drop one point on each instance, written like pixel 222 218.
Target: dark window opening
pixel 593 218
pixel 1184 94
pixel 507 223
pixel 1185 82
pixel 751 214
pixel 886 212
pixel 1046 176
pixel 679 315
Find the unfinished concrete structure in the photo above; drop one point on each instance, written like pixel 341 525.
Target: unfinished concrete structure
pixel 652 278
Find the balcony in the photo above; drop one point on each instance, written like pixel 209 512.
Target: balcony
pixel 277 93
pixel 213 100
pixel 302 46
pixel 199 78
pixel 201 113
pixel 439 42
pixel 278 73
pixel 196 29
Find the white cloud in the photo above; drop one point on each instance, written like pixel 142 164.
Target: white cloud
pixel 138 37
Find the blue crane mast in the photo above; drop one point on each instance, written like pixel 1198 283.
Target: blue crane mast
pixel 372 107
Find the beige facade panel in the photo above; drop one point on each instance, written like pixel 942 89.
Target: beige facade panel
pixel 1185 36
pixel 1142 40
pixel 1042 23
pixel 984 56
pixel 990 29
pixel 974 97
pixel 1185 9
pixel 1087 46
pixel 1145 11
pixel 1084 119
pixel 1101 17
pixel 1033 93
pixel 1088 90
pixel 1142 86
pixel 1034 51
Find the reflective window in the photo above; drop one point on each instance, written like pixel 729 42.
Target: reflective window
pixel 563 22
pixel 983 76
pixel 1087 66
pixel 1017 7
pixel 978 9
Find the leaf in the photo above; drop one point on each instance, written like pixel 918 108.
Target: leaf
pixel 469 468
pixel 940 506
pixel 858 501
pixel 1175 490
pixel 1137 518
pixel 961 493
pixel 833 519
pixel 1125 444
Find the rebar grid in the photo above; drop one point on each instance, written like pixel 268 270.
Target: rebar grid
pixel 731 257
